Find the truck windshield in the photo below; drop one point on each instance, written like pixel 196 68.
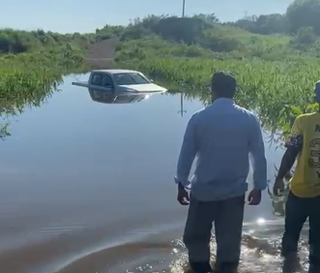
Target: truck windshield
pixel 129 79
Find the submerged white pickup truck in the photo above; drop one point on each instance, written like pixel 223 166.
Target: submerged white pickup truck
pixel 120 81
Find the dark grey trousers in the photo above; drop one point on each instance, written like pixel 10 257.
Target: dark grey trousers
pixel 227 216
pixel 297 211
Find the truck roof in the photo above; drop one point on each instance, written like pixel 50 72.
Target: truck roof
pixel 115 71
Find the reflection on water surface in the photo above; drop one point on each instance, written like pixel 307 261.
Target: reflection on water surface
pixel 89 186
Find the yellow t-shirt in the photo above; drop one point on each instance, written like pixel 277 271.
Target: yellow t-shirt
pixel 306 179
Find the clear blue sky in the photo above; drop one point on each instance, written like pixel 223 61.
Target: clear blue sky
pixel 87 15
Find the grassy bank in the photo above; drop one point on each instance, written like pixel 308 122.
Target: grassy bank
pixel 274 57
pixel 31 60
pixel 22 50
pixel 278 91
pixel 32 65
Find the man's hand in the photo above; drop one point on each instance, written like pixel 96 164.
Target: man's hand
pixel 254 197
pixel 278 187
pixel 183 196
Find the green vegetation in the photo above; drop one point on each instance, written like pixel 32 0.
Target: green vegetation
pixel 31 65
pixel 278 91
pixel 22 49
pixel 274 57
pixel 270 37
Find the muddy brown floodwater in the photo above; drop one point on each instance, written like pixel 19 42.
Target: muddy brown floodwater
pixel 87 187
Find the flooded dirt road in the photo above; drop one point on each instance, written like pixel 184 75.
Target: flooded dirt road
pixel 88 187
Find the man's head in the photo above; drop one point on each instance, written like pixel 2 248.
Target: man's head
pixel 223 85
pixel 317 92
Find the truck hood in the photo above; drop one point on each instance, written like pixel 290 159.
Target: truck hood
pixel 149 87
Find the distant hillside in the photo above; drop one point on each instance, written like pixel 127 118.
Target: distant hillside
pixel 205 37
pixel 273 36
pixel 294 34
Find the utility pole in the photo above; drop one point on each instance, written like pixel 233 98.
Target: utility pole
pixel 182 111
pixel 183 7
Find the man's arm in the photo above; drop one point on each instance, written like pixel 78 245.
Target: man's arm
pixel 293 148
pixel 259 161
pixel 187 154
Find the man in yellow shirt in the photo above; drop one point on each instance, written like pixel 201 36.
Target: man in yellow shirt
pixel 303 200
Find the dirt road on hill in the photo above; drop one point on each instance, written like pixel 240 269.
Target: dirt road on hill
pixel 101 54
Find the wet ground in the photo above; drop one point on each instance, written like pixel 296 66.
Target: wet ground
pixel 87 187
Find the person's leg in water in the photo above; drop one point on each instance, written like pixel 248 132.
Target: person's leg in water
pixel 197 234
pixel 228 229
pixel 296 215
pixel 314 235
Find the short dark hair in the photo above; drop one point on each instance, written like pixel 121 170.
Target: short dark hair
pixel 223 84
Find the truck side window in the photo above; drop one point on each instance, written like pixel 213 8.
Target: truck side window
pixel 107 81
pixel 96 79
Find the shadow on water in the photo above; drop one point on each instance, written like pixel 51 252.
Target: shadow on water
pixel 90 224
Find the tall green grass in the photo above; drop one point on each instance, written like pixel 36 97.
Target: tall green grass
pixel 277 90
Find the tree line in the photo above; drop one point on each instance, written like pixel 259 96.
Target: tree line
pixel 301 21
